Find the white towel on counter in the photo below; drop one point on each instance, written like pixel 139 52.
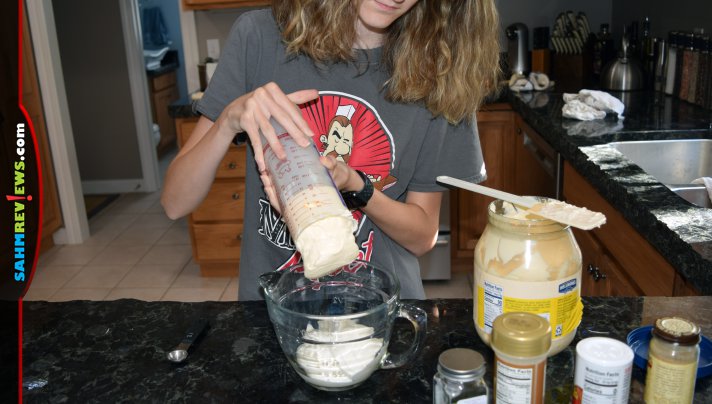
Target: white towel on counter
pixel 596 104
pixel 707 182
pixel 536 81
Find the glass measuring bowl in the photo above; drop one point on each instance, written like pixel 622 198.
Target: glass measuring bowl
pixel 335 330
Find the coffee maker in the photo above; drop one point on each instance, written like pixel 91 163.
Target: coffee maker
pixel 518 48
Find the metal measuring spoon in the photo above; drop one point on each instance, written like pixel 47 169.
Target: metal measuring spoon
pixel 179 354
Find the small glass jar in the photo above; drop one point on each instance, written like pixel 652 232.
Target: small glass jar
pixel 520 342
pixel 525 263
pixel 672 361
pixel 459 378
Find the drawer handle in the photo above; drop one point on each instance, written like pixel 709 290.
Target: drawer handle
pixel 232 165
pixel 596 273
pixel 239 236
pixel 235 196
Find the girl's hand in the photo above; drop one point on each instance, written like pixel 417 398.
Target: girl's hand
pixel 251 113
pixel 345 177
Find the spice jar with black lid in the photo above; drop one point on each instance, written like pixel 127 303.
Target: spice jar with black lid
pixel 672 361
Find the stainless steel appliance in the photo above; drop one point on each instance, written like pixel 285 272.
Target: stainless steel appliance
pixel 623 73
pixel 435 265
pixel 518 48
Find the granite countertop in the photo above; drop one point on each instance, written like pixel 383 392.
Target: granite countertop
pixel 680 231
pixel 115 351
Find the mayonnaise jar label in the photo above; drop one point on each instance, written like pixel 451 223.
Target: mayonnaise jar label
pixel 557 301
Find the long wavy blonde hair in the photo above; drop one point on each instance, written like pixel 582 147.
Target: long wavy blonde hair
pixel 441 53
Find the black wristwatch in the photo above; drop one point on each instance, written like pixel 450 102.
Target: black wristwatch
pixel 359 199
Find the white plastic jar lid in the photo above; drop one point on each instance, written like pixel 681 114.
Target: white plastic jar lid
pixel 604 351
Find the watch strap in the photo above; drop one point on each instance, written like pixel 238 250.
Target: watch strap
pixel 359 199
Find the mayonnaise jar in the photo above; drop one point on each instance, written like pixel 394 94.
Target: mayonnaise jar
pixel 525 263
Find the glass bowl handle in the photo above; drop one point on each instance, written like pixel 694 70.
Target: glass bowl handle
pixel 419 319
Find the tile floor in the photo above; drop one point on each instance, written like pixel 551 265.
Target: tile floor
pixel 135 251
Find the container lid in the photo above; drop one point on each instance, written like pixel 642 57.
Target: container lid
pixel 461 362
pixel 676 329
pixel 521 334
pixel 604 351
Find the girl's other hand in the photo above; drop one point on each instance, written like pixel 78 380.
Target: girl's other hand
pixel 345 177
pixel 251 113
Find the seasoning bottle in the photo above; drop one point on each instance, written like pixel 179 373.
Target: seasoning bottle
pixel 603 371
pixel 603 51
pixel 520 342
pixel 647 49
pixel 708 91
pixel 659 66
pixel 702 71
pixel 687 51
pixel 672 361
pixel 459 378
pixel 670 63
pixel 681 41
pixel 694 68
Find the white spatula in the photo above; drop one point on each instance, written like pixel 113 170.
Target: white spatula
pixel 557 211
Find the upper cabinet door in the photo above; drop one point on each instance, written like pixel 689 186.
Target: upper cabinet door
pixel 208 4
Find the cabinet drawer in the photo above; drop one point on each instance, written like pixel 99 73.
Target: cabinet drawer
pixel 185 127
pixel 225 201
pixel 217 242
pixel 636 258
pixel 233 165
pixel 164 81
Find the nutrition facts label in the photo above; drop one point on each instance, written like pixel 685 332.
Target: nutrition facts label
pixel 557 304
pixel 514 385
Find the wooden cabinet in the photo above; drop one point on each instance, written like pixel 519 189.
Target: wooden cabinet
pixel 602 275
pixel 517 160
pixel 621 261
pixel 496 130
pixel 536 163
pixel 164 90
pixel 210 4
pixel 32 101
pixel 216 225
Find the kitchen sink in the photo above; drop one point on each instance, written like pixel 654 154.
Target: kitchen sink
pixel 675 163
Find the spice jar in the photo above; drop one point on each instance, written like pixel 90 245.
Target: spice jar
pixel 525 263
pixel 603 371
pixel 459 378
pixel 672 361
pixel 520 342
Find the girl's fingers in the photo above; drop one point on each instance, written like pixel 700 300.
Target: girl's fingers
pixel 270 191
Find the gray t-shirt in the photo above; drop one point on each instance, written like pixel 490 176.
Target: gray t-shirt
pixel 401 147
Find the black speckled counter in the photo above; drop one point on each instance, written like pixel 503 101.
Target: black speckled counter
pixel 91 352
pixel 680 231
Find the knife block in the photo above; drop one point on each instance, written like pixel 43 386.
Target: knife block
pixel 572 72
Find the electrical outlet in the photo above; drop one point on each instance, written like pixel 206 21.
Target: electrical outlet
pixel 214 48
